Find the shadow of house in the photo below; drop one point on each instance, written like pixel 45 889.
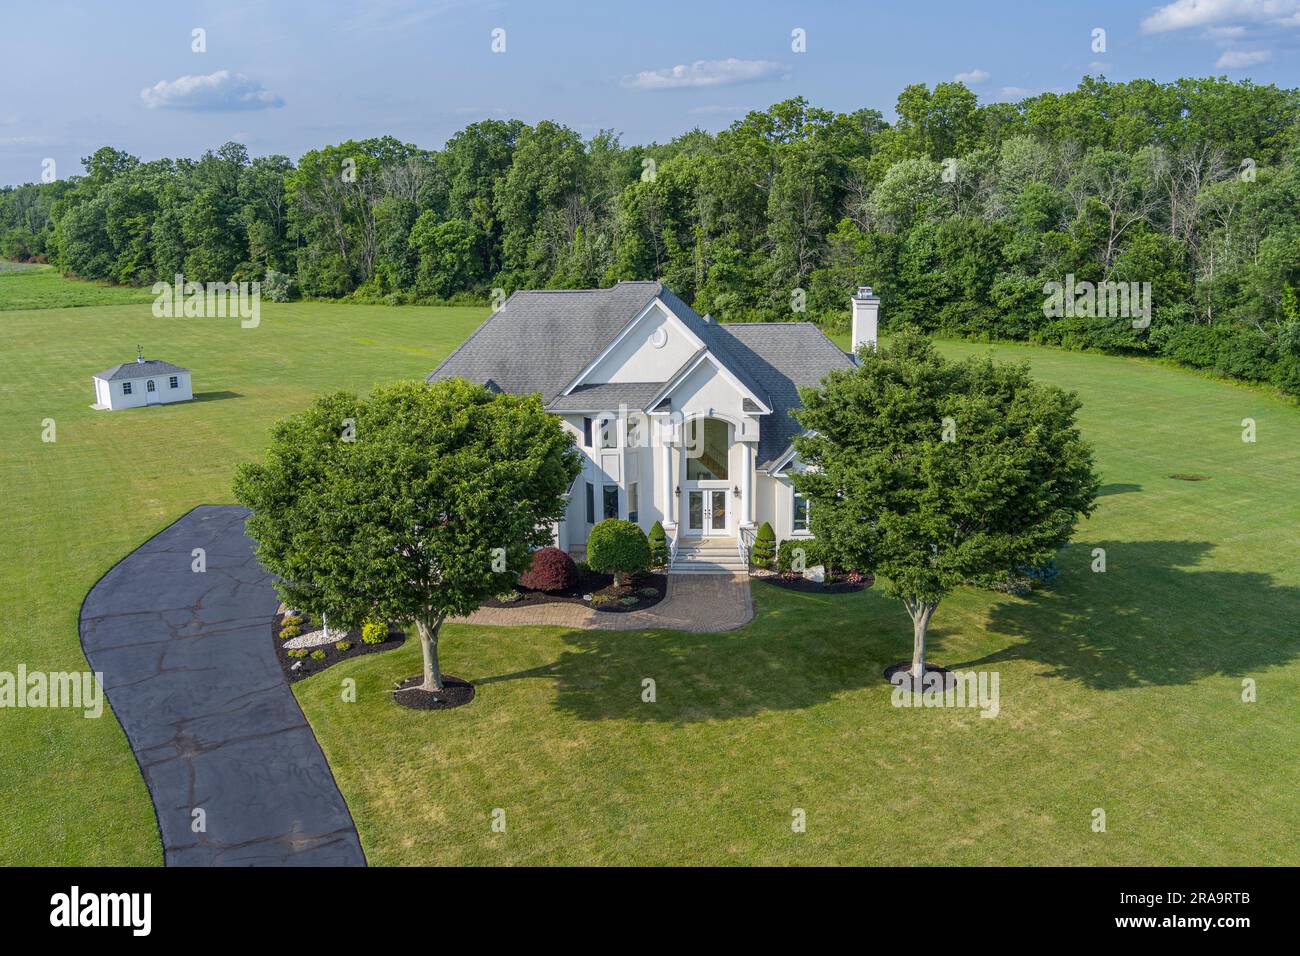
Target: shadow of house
pixel 215 396
pixel 1150 619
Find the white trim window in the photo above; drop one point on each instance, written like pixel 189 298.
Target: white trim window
pixel 610 501
pixel 799 514
pixel 632 502
pixel 608 433
pixel 126 388
pixel 591 503
pixel 174 382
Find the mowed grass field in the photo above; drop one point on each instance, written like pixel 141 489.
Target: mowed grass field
pixel 70 790
pixel 1119 690
pixel 29 286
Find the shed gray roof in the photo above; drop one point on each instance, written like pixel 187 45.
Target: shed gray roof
pixel 539 341
pixel 144 369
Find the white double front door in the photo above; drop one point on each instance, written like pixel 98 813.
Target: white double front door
pixel 708 512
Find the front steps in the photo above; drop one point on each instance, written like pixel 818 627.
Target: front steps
pixel 708 556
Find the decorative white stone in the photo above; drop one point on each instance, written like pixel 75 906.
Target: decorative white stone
pixel 816 574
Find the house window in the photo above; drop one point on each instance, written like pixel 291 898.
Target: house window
pixel 591 503
pixel 707 446
pixel 611 501
pixel 586 433
pixel 632 502
pixel 800 522
pixel 148 386
pixel 609 433
pixel 174 382
pixel 126 388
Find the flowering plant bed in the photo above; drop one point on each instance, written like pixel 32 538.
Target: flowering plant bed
pixel 841 582
pixel 301 662
pixel 594 590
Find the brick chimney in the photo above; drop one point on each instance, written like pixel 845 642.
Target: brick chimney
pixel 866 317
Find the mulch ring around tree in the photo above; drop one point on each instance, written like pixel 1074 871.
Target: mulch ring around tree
pixel 298 667
pixel 455 693
pixel 797 582
pixel 646 590
pixel 933 678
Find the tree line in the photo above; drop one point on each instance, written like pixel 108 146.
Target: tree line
pixel 959 214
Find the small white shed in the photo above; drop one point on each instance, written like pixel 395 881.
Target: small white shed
pixel 142 382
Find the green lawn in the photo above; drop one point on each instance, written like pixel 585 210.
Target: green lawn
pixel 69 787
pixel 1118 690
pixel 25 286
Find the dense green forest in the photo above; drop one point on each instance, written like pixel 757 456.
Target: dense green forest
pixel 958 213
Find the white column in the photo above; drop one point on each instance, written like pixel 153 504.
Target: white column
pixel 666 464
pixel 746 483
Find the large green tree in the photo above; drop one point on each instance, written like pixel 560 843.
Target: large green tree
pixel 933 474
pixel 414 504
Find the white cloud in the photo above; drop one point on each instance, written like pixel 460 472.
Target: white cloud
pixel 704 73
pixel 1238 59
pixel 1012 93
pixel 1183 14
pixel 221 90
pixel 974 76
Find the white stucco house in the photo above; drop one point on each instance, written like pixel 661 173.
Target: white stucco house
pixel 680 419
pixel 142 382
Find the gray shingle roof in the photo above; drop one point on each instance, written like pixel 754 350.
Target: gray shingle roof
pixel 606 397
pixel 783 357
pixel 139 370
pixel 538 341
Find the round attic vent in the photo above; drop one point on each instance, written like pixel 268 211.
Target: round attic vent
pixel 659 338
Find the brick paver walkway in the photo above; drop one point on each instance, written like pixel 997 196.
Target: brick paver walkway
pixel 695 602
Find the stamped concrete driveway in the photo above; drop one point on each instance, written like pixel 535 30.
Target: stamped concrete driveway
pixel 190 671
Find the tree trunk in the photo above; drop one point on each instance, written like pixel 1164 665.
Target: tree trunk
pixel 921 612
pixel 429 645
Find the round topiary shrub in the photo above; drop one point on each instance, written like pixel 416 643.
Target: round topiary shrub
pixel 551 570
pixel 619 548
pixel 797 555
pixel 658 545
pixel 292 631
pixel 374 632
pixel 764 549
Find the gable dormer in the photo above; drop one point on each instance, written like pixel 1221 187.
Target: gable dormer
pixel 655 342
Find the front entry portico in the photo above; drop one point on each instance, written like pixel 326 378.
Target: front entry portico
pixel 706 483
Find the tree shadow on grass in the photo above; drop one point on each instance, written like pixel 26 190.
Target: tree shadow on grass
pixel 801 650
pixel 1118 488
pixel 1150 619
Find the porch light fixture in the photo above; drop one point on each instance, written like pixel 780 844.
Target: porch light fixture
pixel 735 491
pixel 679 489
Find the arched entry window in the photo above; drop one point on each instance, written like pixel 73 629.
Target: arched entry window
pixel 149 385
pixel 707 445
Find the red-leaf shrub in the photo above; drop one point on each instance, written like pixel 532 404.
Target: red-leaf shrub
pixel 552 570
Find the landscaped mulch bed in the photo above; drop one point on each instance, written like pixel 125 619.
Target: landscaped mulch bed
pixel 804 586
pixel 332 656
pixel 594 583
pixel 907 680
pixel 455 693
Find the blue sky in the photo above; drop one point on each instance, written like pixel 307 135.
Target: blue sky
pixel 283 77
